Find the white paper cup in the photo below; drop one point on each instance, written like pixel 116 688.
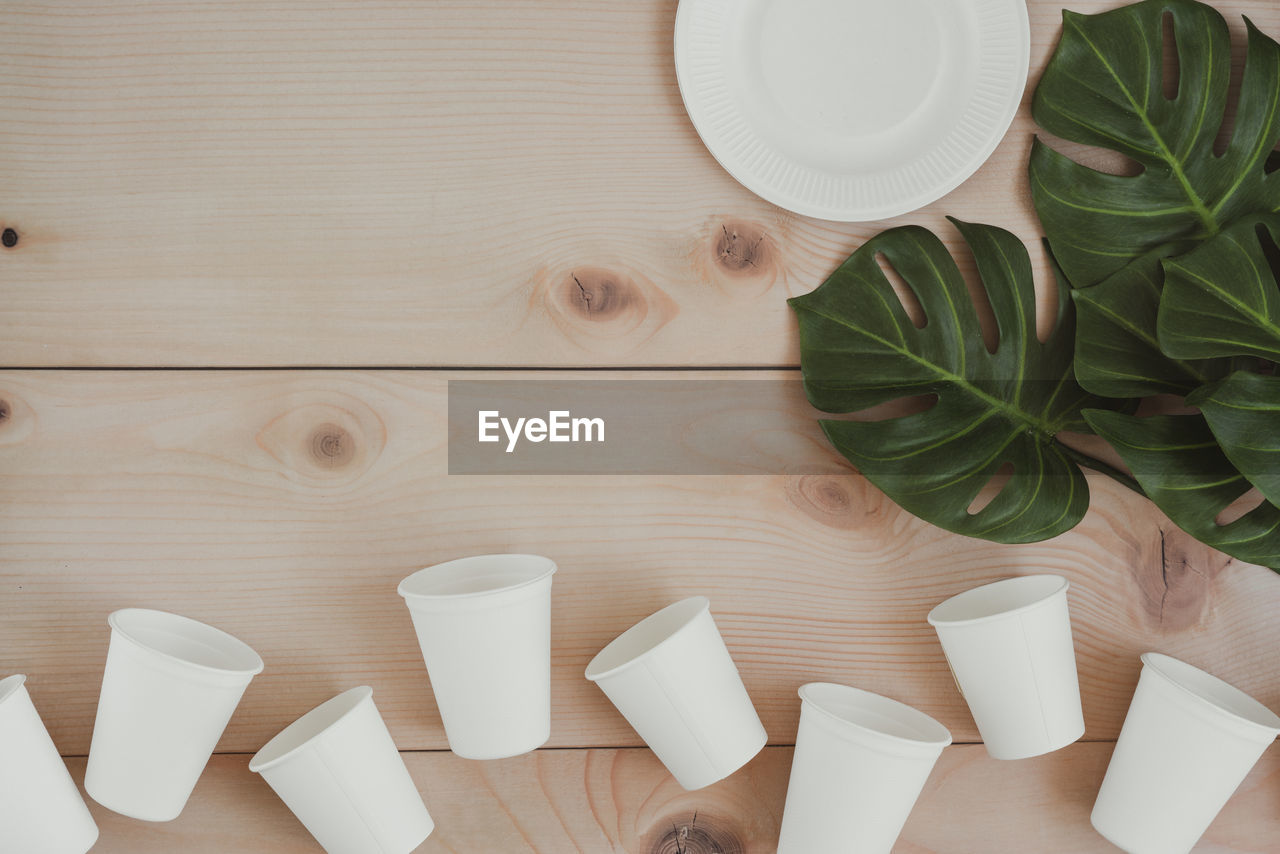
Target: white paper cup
pixel 1009 646
pixel 339 771
pixel 484 625
pixel 673 680
pixel 169 688
pixel 860 762
pixel 41 811
pixel 1188 741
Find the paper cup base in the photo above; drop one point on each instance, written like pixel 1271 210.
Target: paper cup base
pixel 1004 754
pixel 1116 839
pixel 501 750
pixel 125 808
pixel 725 771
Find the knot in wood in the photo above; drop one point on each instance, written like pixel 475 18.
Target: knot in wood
pixel 1176 574
pixel 332 446
pixel 828 494
pixel 599 295
pixel 701 835
pixel 834 500
pixel 742 248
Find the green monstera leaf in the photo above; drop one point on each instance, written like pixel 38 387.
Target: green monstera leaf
pixel 1243 411
pixel 1169 284
pixel 1182 469
pixel 1103 87
pixel 1222 299
pixel 859 349
pixel 1117 347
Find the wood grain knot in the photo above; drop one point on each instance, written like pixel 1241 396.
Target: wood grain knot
pixel 834 500
pixel 1176 574
pixel 17 421
pixel 9 238
pixel 743 248
pixel 332 446
pixel 324 439
pixel 601 296
pixel 702 835
pixel 607 310
pixel 830 495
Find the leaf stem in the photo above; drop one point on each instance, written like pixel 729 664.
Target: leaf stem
pixel 1083 459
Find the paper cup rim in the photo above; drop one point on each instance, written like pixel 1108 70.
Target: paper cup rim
pixel 938 616
pixel 811 695
pixel 352 698
pixel 539 569
pixel 1230 701
pixel 10 685
pixel 696 605
pixel 245 660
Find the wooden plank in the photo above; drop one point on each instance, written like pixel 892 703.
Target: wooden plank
pixel 221 495
pixel 610 800
pixel 473 182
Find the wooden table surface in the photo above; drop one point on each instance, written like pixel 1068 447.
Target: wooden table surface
pixel 256 240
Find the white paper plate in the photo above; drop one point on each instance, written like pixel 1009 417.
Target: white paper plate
pixel 851 110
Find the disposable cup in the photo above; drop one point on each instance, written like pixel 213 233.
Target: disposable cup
pixel 169 688
pixel 860 762
pixel 484 625
pixel 339 771
pixel 672 678
pixel 1188 741
pixel 41 811
pixel 1009 646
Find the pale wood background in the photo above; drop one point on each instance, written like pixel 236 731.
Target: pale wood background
pixel 623 800
pixel 281 185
